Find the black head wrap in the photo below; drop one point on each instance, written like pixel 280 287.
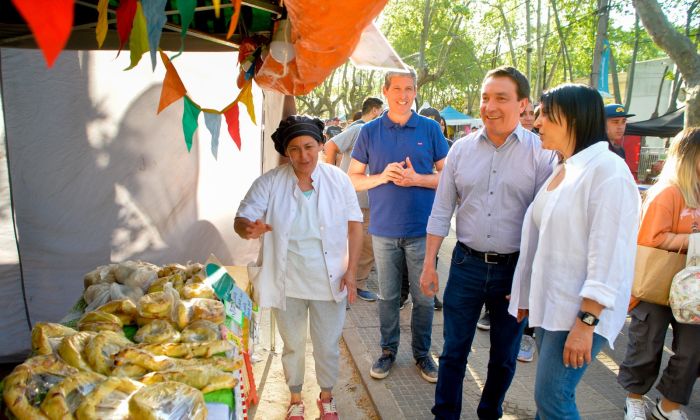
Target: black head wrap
pixel 295 126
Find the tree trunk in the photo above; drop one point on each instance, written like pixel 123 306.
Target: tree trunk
pixel 540 55
pixel 633 64
pixel 658 94
pixel 509 35
pixel 601 34
pixel 680 49
pixel 616 82
pixel 562 40
pixel 528 39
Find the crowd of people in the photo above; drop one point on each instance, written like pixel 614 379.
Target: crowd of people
pixel 547 220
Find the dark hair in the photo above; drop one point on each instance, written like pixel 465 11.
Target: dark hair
pixel 581 107
pixel 430 113
pixel 390 74
pixel 370 103
pixel 521 83
pixel 356 116
pixel 295 126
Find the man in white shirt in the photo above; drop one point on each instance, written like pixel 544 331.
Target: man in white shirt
pixel 491 176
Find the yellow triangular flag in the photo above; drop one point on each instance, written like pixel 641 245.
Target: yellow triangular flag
pixel 217 5
pixel 101 29
pixel 246 97
pixel 138 39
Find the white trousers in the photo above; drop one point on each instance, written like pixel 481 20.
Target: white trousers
pixel 326 319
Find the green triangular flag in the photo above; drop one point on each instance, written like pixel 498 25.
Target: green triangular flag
pixel 189 121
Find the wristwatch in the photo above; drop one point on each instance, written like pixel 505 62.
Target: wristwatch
pixel 588 318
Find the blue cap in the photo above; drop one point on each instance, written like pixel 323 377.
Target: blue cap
pixel 615 111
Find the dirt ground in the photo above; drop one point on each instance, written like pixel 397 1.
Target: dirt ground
pixel 350 395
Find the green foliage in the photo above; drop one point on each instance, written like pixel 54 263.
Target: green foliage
pixel 475 34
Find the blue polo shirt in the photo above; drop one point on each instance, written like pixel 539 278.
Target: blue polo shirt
pixel 400 212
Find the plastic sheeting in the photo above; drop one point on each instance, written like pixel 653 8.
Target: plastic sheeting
pixel 97 177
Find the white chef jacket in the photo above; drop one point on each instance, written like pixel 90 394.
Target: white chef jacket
pixel 272 197
pixel 585 246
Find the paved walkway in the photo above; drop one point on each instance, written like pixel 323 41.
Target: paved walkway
pixel 405 395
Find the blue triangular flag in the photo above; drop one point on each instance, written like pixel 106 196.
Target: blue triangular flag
pixel 213 123
pixel 154 11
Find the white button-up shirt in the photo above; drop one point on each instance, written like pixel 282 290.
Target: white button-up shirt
pixel 272 197
pixel 584 248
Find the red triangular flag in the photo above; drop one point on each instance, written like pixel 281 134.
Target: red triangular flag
pixel 234 130
pixel 50 22
pixel 173 88
pixel 125 20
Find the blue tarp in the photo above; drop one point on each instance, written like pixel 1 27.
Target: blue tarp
pixel 454 117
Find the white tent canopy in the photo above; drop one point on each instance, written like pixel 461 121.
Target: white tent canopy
pixel 96 176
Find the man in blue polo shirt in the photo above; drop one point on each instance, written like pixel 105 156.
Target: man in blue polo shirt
pixel 405 153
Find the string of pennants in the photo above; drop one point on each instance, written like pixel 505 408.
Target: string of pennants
pixel 174 89
pixel 141 24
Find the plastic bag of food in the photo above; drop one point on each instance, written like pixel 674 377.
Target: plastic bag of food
pixel 46 336
pixel 102 274
pixel 122 291
pixel 28 384
pixel 97 295
pixel 109 400
pixel 64 398
pixel 168 400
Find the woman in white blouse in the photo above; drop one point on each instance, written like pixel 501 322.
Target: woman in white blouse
pixel 311 224
pixel 576 264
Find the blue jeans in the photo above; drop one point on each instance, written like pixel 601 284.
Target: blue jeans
pixel 555 384
pixel 471 284
pixel 390 256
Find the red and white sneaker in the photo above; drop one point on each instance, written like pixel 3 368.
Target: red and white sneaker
pixel 326 408
pixel 295 411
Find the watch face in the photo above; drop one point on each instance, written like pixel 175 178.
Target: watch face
pixel 588 319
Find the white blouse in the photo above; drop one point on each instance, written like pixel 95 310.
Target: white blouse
pixel 273 198
pixel 584 247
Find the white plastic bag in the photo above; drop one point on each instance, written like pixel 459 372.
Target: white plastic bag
pixel 684 297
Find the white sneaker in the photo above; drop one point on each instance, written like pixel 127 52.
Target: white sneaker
pixel 635 409
pixel 658 413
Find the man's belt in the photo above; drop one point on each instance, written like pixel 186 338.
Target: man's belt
pixel 491 257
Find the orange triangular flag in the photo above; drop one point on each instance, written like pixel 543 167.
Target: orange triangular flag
pixel 234 18
pixel 50 22
pixel 173 89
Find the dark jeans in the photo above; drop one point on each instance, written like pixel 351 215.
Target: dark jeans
pixel 471 284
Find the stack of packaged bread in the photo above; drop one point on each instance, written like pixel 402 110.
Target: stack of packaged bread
pixel 174 350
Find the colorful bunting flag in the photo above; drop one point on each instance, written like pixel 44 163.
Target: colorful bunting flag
pixel 125 20
pixel 154 11
pixel 213 123
pixel 217 6
pixel 50 22
pixel 138 40
pixel 231 115
pixel 189 121
pixel 101 29
pixel 234 18
pixel 246 96
pixel 173 88
pixel 186 8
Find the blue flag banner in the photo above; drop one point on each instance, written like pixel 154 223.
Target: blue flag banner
pixel 604 66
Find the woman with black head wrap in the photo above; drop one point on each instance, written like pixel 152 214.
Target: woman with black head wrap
pixel 308 216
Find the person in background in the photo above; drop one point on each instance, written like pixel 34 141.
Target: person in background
pixel 574 274
pixel 343 144
pixel 356 116
pixel 490 177
pixel 527 117
pixel 615 123
pixel 670 213
pixel 527 344
pixel 405 153
pixel 308 269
